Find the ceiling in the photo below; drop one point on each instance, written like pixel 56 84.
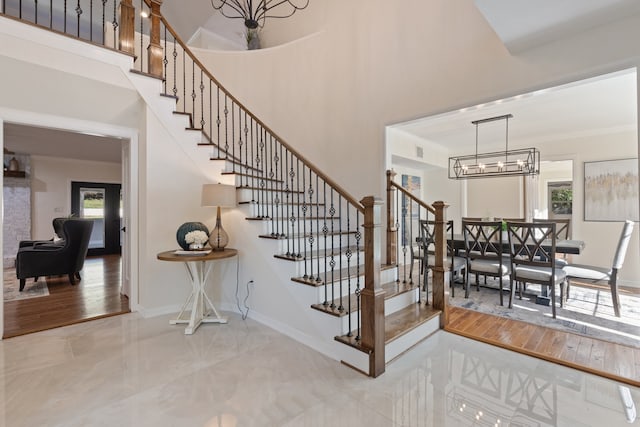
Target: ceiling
pixel 59 143
pixel 523 24
pixel 595 106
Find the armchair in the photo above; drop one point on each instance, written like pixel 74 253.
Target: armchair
pixel 49 260
pixel 57 229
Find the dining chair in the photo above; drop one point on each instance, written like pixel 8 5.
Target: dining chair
pixel 532 250
pixel 454 264
pixel 563 226
pixel 601 275
pixel 483 252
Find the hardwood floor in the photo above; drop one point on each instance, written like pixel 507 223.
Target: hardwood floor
pixel 96 295
pixel 614 361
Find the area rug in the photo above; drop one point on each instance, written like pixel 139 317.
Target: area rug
pixel 11 287
pixel 588 312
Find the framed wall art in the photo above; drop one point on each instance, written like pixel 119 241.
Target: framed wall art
pixel 611 190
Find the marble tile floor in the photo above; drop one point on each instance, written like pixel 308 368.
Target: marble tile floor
pixel 130 371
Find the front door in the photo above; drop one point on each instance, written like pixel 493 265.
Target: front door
pixel 103 204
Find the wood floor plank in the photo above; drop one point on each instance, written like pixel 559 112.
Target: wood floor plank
pixel 96 295
pixel 614 361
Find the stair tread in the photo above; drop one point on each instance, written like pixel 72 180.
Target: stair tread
pixel 277 190
pixel 241 165
pixel 252 176
pixel 396 324
pixel 278 218
pixel 321 253
pixel 343 273
pixel 299 236
pixel 280 203
pixel 391 289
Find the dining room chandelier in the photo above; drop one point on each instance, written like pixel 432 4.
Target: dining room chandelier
pixel 255 12
pixel 522 161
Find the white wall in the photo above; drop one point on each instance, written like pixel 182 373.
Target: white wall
pixel 51 179
pixel 495 197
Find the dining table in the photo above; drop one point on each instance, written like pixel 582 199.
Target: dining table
pixel 565 246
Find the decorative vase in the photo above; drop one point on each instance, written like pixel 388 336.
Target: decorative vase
pixel 14 165
pixel 187 227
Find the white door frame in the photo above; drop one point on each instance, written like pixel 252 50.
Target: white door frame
pixel 130 186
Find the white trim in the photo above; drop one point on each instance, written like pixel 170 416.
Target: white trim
pixel 78 125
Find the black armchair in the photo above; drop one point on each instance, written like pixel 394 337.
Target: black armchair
pixel 57 229
pixel 49 260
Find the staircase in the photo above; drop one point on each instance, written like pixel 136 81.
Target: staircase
pixel 323 242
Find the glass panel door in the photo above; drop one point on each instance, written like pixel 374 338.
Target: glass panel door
pixel 92 207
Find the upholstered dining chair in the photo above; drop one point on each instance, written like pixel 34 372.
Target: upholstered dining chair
pixel 51 260
pixel 602 275
pixel 454 264
pixel 483 252
pixel 532 250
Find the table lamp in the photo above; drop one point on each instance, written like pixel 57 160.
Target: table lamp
pixel 221 196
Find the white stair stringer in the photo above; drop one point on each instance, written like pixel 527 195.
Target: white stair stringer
pixel 163 107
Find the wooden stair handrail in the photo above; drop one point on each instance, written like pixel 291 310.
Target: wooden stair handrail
pixel 309 164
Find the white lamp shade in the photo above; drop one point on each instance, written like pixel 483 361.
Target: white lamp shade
pixel 220 195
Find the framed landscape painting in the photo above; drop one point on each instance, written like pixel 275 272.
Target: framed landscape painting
pixel 611 190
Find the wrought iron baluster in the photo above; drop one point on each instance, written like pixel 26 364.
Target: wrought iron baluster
pixel 405 211
pixel 193 93
pixel 304 222
pixel 226 127
pixel 348 255
pixel 78 13
pixel 233 131
pixel 254 170
pixel 311 236
pixel 318 279
pixel 332 262
pixel 261 174
pixel 36 11
pixel 246 146
pixel 287 193
pixel 103 28
pixel 210 115
pixel 275 192
pixel 202 121
pixel 325 231
pixel 398 233
pixel 20 9
pixel 340 232
pixel 90 20
pixel 184 83
pixel 218 120
pixel 358 236
pixel 283 181
pixel 65 15
pixel 298 234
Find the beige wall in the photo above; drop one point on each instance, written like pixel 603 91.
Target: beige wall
pixel 51 179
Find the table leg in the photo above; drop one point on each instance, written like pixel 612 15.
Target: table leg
pixel 198 272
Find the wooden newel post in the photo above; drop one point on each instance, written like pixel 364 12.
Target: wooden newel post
pixel 154 50
pixel 127 27
pixel 440 290
pixel 392 230
pixel 372 296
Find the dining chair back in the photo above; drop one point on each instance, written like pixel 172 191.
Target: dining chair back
pixel 532 250
pixel 483 252
pixel 595 275
pixel 563 227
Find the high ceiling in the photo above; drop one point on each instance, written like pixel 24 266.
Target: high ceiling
pixel 596 106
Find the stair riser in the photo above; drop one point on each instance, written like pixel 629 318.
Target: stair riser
pixel 319 243
pixel 391 305
pixel 385 277
pixel 268 226
pixel 315 266
pixel 284 209
pixel 411 338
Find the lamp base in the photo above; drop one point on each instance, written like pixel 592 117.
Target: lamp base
pixel 218 239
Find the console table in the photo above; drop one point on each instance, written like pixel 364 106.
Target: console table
pixel 198 268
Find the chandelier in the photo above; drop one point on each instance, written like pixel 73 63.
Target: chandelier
pixel 523 161
pixel 254 12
